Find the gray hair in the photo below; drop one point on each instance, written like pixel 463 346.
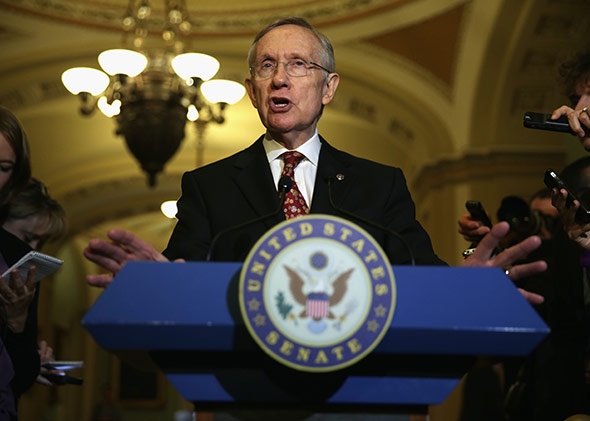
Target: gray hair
pixel 327 52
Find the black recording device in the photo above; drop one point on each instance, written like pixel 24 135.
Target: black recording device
pixel 543 121
pixel 552 180
pixel 478 213
pixel 61 379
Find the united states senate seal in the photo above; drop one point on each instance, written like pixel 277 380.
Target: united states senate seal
pixel 317 293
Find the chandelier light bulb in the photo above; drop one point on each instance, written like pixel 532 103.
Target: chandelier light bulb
pixel 192 114
pixel 122 61
pixel 128 23
pixel 110 110
pixel 85 79
pixel 199 65
pixel 144 10
pixel 175 16
pixel 222 90
pixel 169 208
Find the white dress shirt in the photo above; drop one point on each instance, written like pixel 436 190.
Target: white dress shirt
pixel 305 172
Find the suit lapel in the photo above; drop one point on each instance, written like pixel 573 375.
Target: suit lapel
pixel 254 179
pixel 332 166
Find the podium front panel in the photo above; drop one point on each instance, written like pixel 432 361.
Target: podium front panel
pixel 185 314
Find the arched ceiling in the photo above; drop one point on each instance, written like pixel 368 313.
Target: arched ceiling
pixel 423 82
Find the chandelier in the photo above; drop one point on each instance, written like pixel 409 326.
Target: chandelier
pixel 152 91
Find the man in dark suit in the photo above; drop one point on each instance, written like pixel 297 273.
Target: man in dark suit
pixel 292 77
pixel 244 190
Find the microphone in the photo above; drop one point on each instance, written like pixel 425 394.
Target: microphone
pixel 542 121
pixel 370 223
pixel 285 184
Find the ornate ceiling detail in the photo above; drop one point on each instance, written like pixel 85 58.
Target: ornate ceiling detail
pixel 33 93
pixel 435 43
pixel 218 17
pixel 474 167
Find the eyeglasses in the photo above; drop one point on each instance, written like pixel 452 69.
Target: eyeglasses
pixel 295 67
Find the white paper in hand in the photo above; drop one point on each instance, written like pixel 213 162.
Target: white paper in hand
pixel 45 264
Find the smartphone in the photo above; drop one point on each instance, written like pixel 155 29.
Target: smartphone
pixel 62 379
pixel 62 365
pixel 552 181
pixel 477 212
pixel 543 121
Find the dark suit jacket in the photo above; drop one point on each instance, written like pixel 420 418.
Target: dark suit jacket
pixel 240 188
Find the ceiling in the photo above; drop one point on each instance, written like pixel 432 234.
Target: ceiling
pixel 424 83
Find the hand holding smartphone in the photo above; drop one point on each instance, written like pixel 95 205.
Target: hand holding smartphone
pixel 552 180
pixel 478 213
pixel 55 372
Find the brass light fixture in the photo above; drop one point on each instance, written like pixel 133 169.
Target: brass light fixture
pixel 153 90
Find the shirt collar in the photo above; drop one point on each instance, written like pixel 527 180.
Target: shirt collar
pixel 311 148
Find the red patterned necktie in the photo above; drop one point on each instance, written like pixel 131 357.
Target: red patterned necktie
pixel 294 204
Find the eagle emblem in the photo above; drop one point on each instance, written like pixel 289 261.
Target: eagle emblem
pixel 318 295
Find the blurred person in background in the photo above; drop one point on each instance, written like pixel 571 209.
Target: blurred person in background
pixel 15 172
pixel 28 221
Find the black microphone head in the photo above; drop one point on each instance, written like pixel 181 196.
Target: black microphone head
pixel 285 183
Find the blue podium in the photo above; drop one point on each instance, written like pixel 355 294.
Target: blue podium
pixel 185 317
